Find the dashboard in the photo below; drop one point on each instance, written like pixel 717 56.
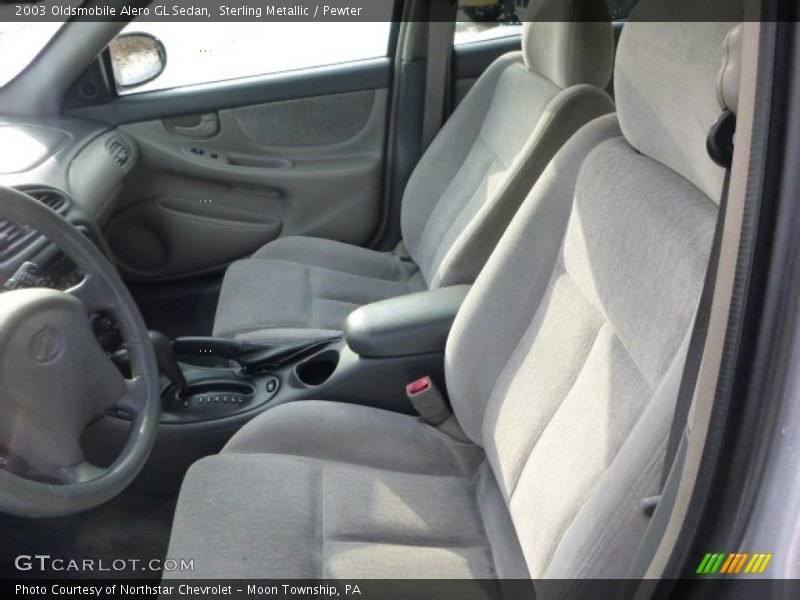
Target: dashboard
pixel 76 167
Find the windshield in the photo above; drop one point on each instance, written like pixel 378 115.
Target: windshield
pixel 20 43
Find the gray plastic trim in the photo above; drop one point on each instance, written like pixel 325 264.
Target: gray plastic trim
pixel 39 90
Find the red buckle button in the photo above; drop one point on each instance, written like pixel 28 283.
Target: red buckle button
pixel 420 385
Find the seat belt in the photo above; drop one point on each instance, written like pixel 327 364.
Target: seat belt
pixel 720 148
pixel 441 28
pixel 719 144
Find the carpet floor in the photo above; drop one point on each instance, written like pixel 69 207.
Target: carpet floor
pixel 131 526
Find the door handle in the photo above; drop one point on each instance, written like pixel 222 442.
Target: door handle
pixel 197 127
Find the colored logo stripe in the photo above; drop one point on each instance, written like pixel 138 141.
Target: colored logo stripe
pixel 711 563
pixel 733 563
pixel 758 563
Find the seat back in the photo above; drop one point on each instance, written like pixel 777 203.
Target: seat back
pixel 472 178
pixel 565 361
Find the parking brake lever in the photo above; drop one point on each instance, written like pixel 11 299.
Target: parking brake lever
pixel 272 358
pixel 253 358
pixel 214 346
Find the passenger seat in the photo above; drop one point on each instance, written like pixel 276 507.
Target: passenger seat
pixel 563 369
pixel 460 198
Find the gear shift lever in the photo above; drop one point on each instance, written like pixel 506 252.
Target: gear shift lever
pixel 165 357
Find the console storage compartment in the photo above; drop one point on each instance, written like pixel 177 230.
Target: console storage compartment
pixel 404 326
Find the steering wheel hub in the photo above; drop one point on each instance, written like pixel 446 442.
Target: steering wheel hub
pixel 30 319
pixel 55 378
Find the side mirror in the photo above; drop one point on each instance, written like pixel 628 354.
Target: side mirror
pixel 137 58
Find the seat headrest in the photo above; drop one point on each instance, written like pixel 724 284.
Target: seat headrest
pixel 569 41
pixel 729 74
pixel 672 80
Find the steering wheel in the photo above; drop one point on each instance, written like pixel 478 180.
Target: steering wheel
pixel 55 378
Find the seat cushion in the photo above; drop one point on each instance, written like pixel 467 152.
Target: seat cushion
pixel 299 288
pixel 321 489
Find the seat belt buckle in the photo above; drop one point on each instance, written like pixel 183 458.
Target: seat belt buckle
pixel 650 504
pixel 428 401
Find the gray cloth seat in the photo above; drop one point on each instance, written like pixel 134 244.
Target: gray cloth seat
pixel 563 368
pixel 459 199
pixel 296 289
pixel 398 498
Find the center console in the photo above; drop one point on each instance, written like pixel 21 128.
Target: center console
pixel 218 396
pixel 218 378
pixel 211 386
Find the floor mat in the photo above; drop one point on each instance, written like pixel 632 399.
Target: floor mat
pixel 129 527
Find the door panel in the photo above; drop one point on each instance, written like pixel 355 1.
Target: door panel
pixel 215 186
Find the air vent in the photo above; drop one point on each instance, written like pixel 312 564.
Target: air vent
pixel 14 236
pixel 49 197
pixel 54 200
pixel 10 234
pixel 119 150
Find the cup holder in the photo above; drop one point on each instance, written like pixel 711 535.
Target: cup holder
pixel 318 369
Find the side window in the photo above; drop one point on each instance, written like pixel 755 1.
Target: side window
pixel 479 20
pixel 150 56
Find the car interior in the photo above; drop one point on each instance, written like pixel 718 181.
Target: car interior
pixel 312 324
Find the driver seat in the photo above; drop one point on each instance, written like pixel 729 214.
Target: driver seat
pixel 563 368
